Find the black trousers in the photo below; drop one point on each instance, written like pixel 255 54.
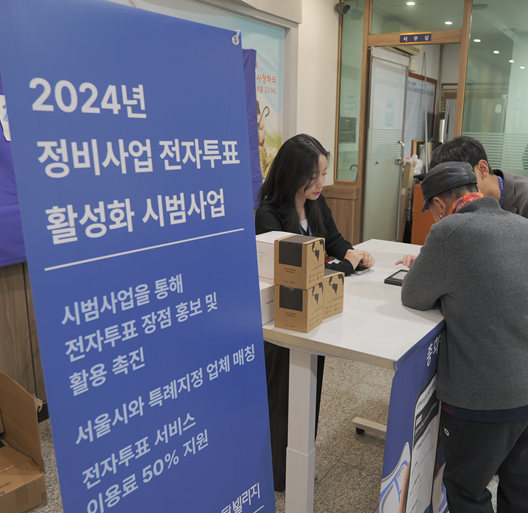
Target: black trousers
pixel 474 453
pixel 278 377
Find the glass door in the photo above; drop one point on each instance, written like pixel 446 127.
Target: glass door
pixel 385 147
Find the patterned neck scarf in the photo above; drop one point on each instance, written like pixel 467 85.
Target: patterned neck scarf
pixel 464 200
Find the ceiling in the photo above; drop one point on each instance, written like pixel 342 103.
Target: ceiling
pixel 432 14
pixel 497 23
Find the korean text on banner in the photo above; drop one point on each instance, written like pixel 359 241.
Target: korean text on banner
pixel 131 155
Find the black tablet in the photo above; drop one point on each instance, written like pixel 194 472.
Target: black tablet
pixel 397 278
pixel 361 269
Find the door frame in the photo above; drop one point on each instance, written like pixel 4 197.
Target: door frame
pixel 356 189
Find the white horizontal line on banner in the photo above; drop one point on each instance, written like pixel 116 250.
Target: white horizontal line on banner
pixel 104 257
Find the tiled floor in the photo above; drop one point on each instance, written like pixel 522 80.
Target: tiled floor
pixel 349 465
pixel 54 504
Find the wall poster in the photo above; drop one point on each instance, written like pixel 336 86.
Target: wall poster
pixel 268 41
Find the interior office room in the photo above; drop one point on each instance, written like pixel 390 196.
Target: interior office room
pixel 334 60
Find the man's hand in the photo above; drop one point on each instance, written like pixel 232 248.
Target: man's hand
pixel 407 260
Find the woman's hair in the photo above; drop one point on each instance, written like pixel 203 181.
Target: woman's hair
pixel 296 165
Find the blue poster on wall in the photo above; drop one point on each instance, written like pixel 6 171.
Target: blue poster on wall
pixel 131 156
pixel 413 463
pixel 12 249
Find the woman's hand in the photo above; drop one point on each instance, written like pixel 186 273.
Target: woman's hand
pixel 357 256
pixel 407 260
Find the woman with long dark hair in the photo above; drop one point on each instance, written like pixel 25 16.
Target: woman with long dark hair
pixel 291 200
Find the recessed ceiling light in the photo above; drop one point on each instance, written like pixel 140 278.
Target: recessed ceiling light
pixel 476 40
pixel 522 67
pixel 449 23
pixel 511 61
pixel 495 51
pixel 411 3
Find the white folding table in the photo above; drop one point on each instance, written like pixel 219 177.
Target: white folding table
pixel 373 328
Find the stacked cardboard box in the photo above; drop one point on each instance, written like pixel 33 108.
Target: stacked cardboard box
pixel 295 287
pixel 299 276
pixel 22 484
pixel 334 292
pixel 266 253
pixel 267 300
pixel 265 257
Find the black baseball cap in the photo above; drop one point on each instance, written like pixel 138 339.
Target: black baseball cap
pixel 444 177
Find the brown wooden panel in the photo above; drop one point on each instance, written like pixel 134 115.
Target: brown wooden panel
pixel 15 347
pixel 40 389
pixel 342 190
pixel 462 68
pixel 346 217
pixel 422 223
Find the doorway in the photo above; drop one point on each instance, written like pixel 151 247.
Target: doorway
pixel 385 143
pixel 404 107
pixel 374 24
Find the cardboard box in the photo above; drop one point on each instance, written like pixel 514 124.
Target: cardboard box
pixel 299 261
pixel 298 309
pixel 267 300
pixel 22 483
pixel 333 292
pixel 266 253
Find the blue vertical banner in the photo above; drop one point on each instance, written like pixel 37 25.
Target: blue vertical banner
pixel 12 250
pixel 250 59
pixel 413 462
pixel 130 146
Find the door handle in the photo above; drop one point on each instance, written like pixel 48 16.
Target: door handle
pixel 400 160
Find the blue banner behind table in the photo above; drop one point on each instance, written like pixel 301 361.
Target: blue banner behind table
pixel 132 164
pixel 412 464
pixel 12 250
pixel 250 59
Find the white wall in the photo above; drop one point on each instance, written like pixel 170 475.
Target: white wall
pixel 450 64
pixel 432 61
pixel 317 73
pixel 287 9
pixel 313 50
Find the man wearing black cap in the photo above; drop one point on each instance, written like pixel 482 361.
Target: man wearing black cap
pixel 510 190
pixel 474 264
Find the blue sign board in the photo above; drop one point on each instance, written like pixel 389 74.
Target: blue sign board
pixel 131 155
pixel 424 37
pixel 413 463
pixel 12 249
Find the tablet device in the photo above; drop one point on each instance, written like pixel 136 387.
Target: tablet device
pixel 361 269
pixel 397 277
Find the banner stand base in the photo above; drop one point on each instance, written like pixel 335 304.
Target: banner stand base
pixel 363 425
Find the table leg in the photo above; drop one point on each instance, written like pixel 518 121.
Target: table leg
pixel 300 455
